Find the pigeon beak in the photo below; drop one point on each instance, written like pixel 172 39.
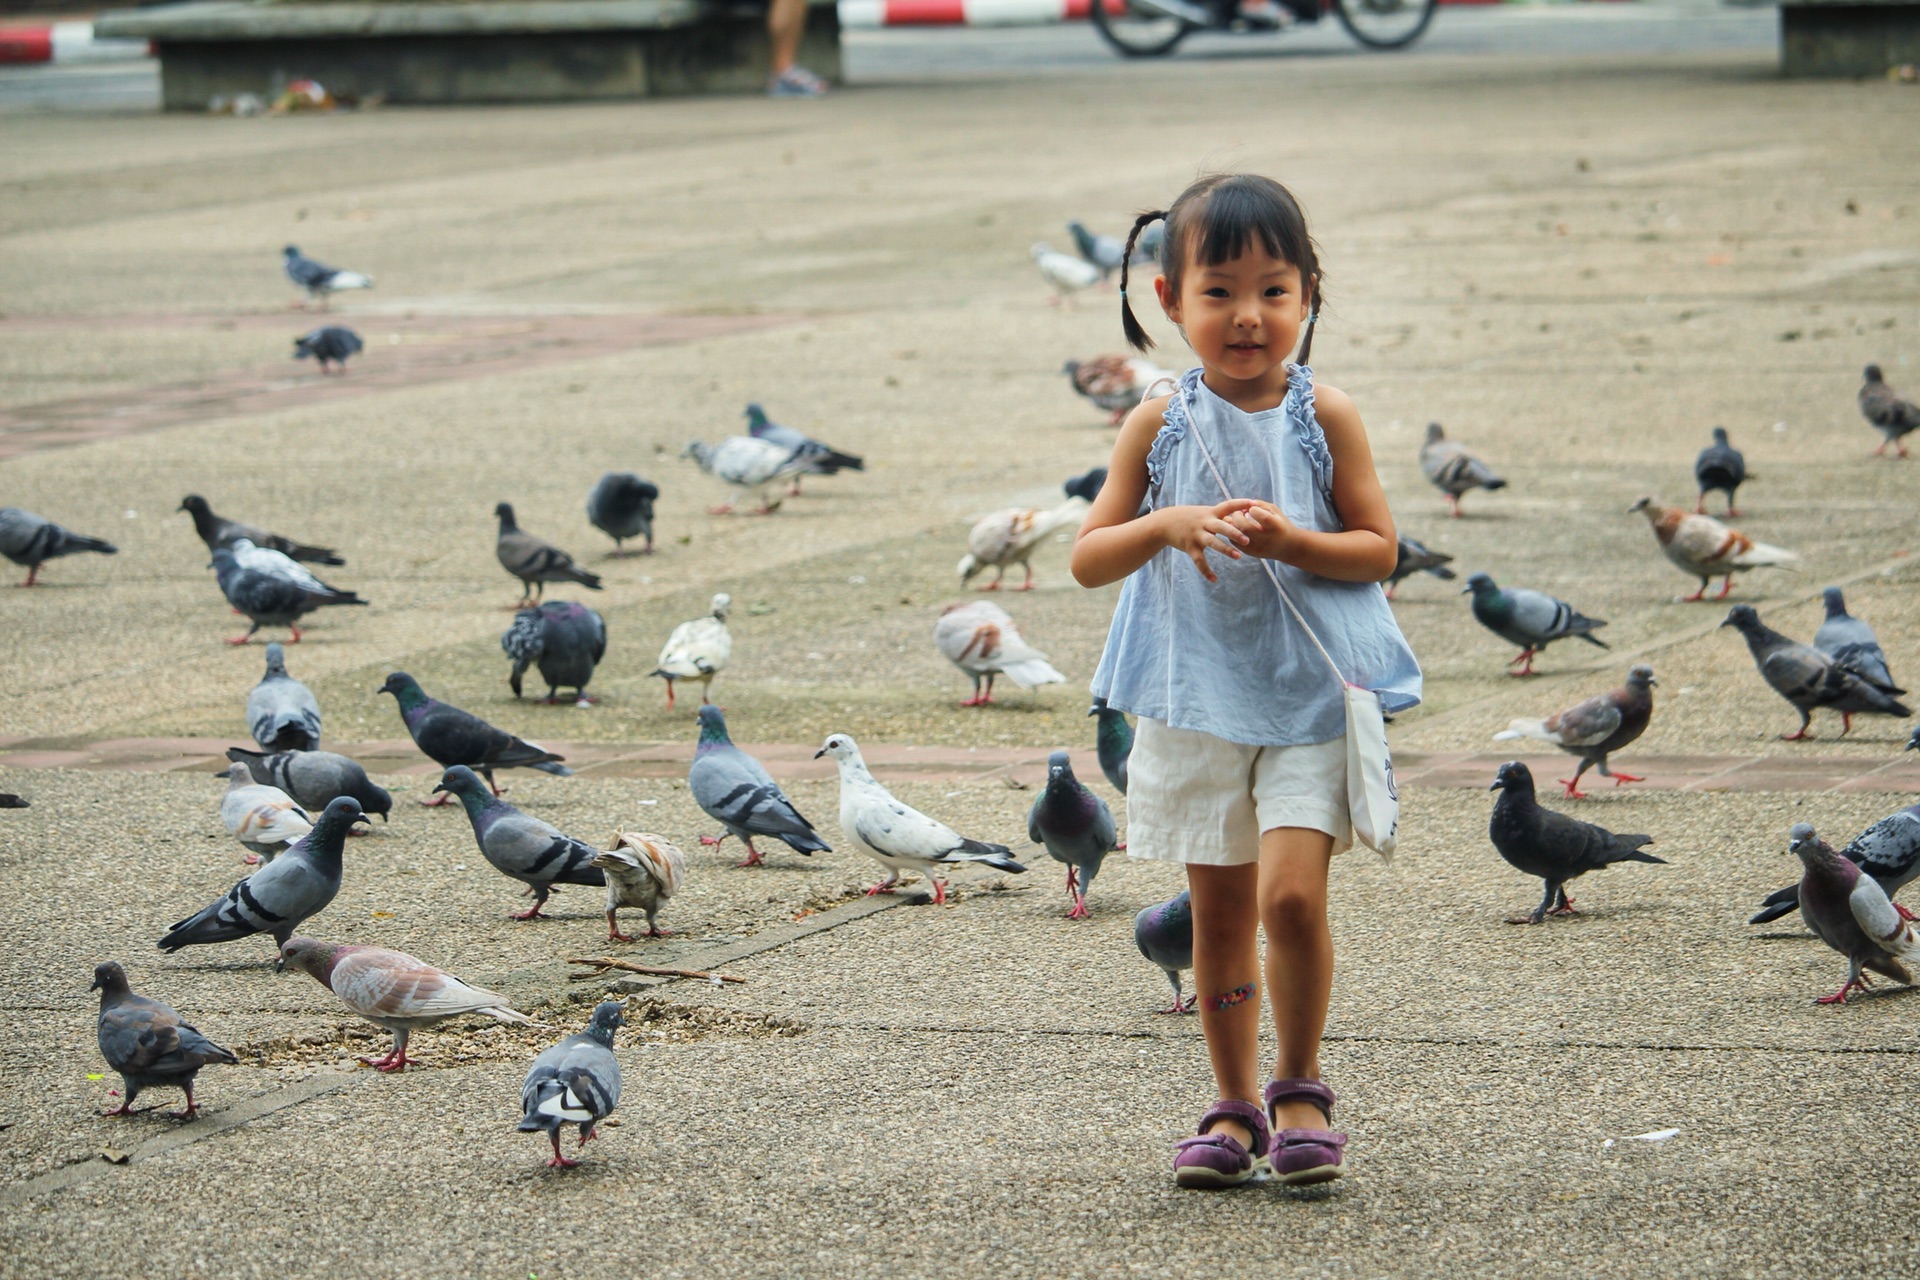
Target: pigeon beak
pixel 822 751
pixel 1466 591
pixel 437 790
pixel 1498 783
pixel 94 985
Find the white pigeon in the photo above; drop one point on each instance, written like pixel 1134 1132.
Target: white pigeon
pixel 698 650
pixel 643 870
pixel 750 465
pixel 263 818
pixel 898 837
pixel 979 638
pixel 1066 273
pixel 1010 537
pixel 276 564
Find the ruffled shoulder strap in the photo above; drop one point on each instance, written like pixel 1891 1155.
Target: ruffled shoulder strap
pixel 1173 426
pixel 1306 427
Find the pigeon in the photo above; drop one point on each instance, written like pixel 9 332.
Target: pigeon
pixel 1851 643
pixel 643 870
pixel 1164 934
pixel 1416 557
pixel 1112 743
pixel 1531 619
pixel 1086 487
pixel 1076 827
pixel 1146 248
pixel 736 791
pixel 621 506
pixel 1067 275
pixel 1595 728
pixel 1702 546
pixel 218 531
pixel 750 466
pixel 148 1043
pixel 1011 537
pixel 9 800
pixel 565 638
pixel 330 346
pixel 1453 469
pixel 978 637
pixel 261 817
pixel 1114 383
pixel 282 895
pixel 1720 466
pixel 1809 678
pixel 1852 914
pixel 1890 415
pixel 31 540
pixel 698 649
pixel 575 1082
pixel 1551 845
pixel 536 853
pixel 818 459
pixel 535 561
pixel 1104 252
pixel 320 280
pixel 282 712
pixel 900 838
pixel 315 778
pixel 1889 851
pixel 271 589
pixel 449 736
pixel 393 990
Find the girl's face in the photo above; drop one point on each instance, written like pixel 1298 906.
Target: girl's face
pixel 1242 317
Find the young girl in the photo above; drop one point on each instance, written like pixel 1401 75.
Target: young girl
pixel 1239 765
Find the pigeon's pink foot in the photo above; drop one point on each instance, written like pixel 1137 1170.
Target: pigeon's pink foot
pixel 765 511
pixel 991 586
pixel 753 859
pixel 977 700
pixel 445 797
pixel 1846 723
pixel 1700 507
pixel 1840 996
pixel 251 860
pixel 1735 512
pixel 939 892
pixel 884 887
pixel 126 1109
pixel 559 1161
pixel 614 935
pixel 1799 735
pixel 531 913
pixel 1904 913
pixel 193 1109
pixel 1526 658
pixel 655 931
pixel 235 640
pixel 724 509
pixel 1025 586
pixel 713 841
pixel 296 635
pixel 1079 911
pixel 1573 791
pixel 1453 507
pixel 1619 778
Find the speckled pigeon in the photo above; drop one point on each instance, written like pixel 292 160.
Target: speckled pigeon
pixel 330 345
pixel 1531 619
pixel 1594 728
pixel 320 280
pixel 735 790
pixel 148 1043
pixel 621 506
pixel 1076 827
pixel 816 458
pixel 1808 678
pixel 31 541
pixel 1164 934
pixel 1551 845
pixel 643 870
pixel 1891 415
pixel 1851 913
pixel 217 531
pixel 1889 851
pixel 1851 643
pixel 282 712
pixel 1719 467
pixel 316 778
pixel 281 896
pixel 1413 557
pixel 271 589
pixel 450 736
pixel 575 1082
pixel 565 639
pixel 1112 742
pixel 536 853
pixel 534 561
pixel 1453 469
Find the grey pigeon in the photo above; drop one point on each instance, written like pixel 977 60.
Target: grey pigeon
pixel 1851 643
pixel 750 465
pixel 1076 827
pixel 565 639
pixel 148 1043
pixel 643 870
pixel 282 895
pixel 537 854
pixel 1112 742
pixel 735 790
pixel 450 736
pixel 281 712
pixel 316 779
pixel 217 531
pixel 1453 469
pixel 1413 556
pixel 1104 252
pixel 1595 728
pixel 535 561
pixel 1719 467
pixel 1164 934
pixel 1551 845
pixel 1086 486
pixel 31 540
pixel 320 280
pixel 1852 914
pixel 1531 619
pixel 621 506
pixel 1808 678
pixel 330 346
pixel 1889 851
pixel 271 589
pixel 1892 416
pixel 816 459
pixel 575 1082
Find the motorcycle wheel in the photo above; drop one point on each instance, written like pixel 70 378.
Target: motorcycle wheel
pixel 1137 31
pixel 1385 24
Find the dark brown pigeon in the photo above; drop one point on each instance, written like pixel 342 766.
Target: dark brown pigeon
pixel 1594 728
pixel 1852 914
pixel 1891 415
pixel 535 561
pixel 148 1043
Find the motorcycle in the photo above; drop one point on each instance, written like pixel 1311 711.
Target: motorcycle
pixel 1151 28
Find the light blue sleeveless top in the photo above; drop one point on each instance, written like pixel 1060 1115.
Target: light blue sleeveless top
pixel 1227 658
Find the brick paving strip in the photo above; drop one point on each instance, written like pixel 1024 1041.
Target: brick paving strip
pixel 432 348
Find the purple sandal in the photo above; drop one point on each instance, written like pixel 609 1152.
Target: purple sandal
pixel 1212 1161
pixel 1302 1156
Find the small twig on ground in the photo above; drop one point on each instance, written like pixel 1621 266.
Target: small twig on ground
pixel 608 962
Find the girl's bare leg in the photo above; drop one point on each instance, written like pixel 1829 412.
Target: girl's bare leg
pixel 1293 910
pixel 1226 977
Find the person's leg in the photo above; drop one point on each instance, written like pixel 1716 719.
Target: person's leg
pixel 1226 977
pixel 786 19
pixel 1292 900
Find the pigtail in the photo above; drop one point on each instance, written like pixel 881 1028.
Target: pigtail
pixel 1313 318
pixel 1137 337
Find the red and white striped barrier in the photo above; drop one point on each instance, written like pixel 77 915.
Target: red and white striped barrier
pixel 866 15
pixel 64 42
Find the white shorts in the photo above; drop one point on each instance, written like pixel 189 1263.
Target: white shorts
pixel 1192 797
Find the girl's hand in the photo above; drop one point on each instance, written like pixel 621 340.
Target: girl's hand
pixel 1270 535
pixel 1198 530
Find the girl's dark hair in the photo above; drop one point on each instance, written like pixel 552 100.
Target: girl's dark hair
pixel 1214 221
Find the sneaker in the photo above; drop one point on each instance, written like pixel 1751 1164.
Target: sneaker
pixel 796 82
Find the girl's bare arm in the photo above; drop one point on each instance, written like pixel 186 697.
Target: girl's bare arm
pixel 1367 549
